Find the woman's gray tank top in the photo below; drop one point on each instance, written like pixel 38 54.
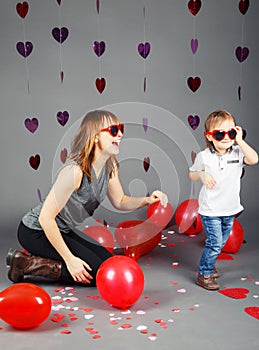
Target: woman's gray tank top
pixel 81 204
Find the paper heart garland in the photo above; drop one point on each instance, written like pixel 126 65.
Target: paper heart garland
pixel 242 53
pixel 63 155
pixel 193 121
pixel 31 124
pixel 99 47
pixel 145 123
pixel 194 83
pixel 194 6
pixel 34 161
pixel 62 117
pixel 24 49
pixel 235 293
pixel 146 163
pixel 144 49
pixel 252 311
pixel 22 9
pixel 243 6
pixel 194 45
pixel 100 84
pixel 60 34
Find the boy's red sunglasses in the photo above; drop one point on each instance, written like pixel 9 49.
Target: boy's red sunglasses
pixel 114 129
pixel 219 135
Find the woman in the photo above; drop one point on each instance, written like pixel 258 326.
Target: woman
pixel 48 232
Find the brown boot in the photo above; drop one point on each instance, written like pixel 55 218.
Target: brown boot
pixel 22 264
pixel 215 273
pixel 207 282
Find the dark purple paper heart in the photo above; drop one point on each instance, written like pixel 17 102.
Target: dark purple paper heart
pixel 60 34
pixel 24 49
pixel 193 121
pixel 145 123
pixel 194 45
pixel 194 83
pixel 34 161
pixel 144 49
pixel 243 6
pixel 31 124
pixel 193 156
pixel 99 48
pixel 63 155
pixel 242 53
pixel 146 163
pixel 62 117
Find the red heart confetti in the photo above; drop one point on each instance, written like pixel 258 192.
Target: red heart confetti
pixel 235 293
pixel 194 6
pixel 57 317
pixel 65 331
pixel 100 84
pixel 194 83
pixel 252 311
pixel 34 161
pixel 22 9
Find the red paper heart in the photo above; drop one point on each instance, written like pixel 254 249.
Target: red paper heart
pixel 252 311
pixel 235 293
pixel 34 161
pixel 243 6
pixel 146 163
pixel 100 84
pixel 194 6
pixel 22 9
pixel 194 83
pixel 57 317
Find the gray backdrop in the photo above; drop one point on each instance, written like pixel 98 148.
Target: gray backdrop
pixel 166 136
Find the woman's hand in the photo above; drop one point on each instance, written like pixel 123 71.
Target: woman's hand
pixel 158 196
pixel 79 270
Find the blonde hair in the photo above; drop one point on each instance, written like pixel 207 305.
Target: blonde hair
pixel 83 144
pixel 215 118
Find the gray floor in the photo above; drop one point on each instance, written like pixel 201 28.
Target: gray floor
pixel 172 313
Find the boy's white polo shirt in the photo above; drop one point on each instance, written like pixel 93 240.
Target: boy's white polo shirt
pixel 224 199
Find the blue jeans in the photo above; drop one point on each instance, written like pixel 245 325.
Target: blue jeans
pixel 217 229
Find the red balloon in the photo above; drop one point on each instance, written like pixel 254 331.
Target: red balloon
pixel 24 305
pixel 137 237
pixel 235 239
pixel 102 235
pixel 160 215
pixel 120 281
pixel 187 217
